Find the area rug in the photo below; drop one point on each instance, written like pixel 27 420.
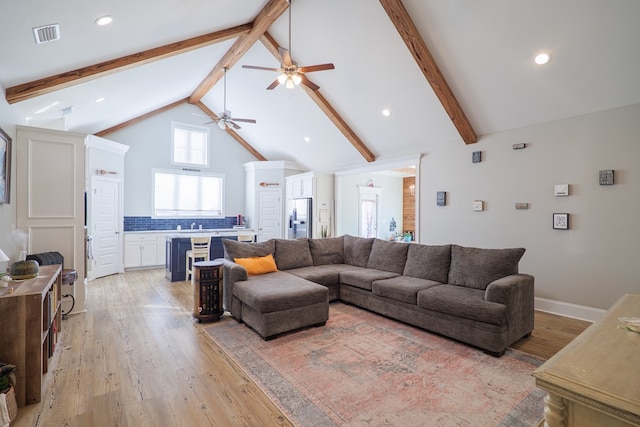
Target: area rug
pixel 362 369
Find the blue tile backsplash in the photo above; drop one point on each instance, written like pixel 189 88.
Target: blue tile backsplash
pixel 146 223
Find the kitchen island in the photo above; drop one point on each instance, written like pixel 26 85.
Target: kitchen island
pixel 178 243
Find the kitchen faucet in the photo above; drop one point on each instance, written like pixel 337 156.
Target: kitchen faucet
pixel 193 224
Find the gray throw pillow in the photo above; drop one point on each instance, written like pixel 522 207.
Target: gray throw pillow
pixel 428 262
pixel 327 251
pixel 234 249
pixel 292 254
pixel 476 268
pixel 388 256
pixel 357 250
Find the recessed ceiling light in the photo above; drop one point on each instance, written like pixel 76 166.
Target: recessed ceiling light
pixel 307 139
pixel 386 112
pixel 104 20
pixel 542 58
pixel 100 99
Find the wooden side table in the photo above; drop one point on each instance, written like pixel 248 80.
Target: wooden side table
pixel 595 381
pixel 207 290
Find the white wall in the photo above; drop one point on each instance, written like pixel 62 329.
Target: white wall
pixel 8 211
pixel 593 263
pixel 390 202
pixel 150 147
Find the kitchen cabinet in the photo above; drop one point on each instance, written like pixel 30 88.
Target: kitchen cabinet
pixel 300 185
pixel 141 250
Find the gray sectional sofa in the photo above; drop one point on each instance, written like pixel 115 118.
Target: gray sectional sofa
pixel 473 295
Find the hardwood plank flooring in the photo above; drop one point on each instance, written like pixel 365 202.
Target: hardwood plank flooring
pixel 137 357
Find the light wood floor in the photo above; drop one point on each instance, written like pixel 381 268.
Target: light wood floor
pixel 137 357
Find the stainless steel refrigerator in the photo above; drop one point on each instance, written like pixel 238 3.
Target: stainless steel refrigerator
pixel 300 213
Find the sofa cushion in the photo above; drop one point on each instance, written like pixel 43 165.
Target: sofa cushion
pixel 328 275
pixel 279 291
pixel 476 267
pixel 462 302
pixel 292 254
pixel 258 264
pixel 388 256
pixel 364 277
pixel 357 250
pixel 428 262
pixel 327 251
pixel 402 288
pixel 234 249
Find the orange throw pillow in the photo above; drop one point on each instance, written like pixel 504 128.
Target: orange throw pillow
pixel 257 265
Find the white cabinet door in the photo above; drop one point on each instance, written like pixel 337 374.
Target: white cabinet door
pixel 161 250
pixel 306 186
pixel 140 250
pixel 148 255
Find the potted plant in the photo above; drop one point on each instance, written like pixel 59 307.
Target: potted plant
pixel 6 387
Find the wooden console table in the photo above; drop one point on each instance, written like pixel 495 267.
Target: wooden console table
pixel 595 380
pixel 31 321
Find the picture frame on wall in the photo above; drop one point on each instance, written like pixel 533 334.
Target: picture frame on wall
pixel 5 167
pixel 560 221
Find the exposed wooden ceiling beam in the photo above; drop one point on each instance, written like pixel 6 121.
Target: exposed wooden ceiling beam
pixel 272 46
pixel 60 81
pixel 231 132
pixel 418 48
pixel 141 118
pixel 263 21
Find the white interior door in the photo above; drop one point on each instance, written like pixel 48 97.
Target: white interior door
pixel 369 198
pixel 106 230
pixel 269 215
pixel 50 198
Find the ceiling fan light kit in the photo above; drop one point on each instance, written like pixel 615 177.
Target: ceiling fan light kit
pixel 291 75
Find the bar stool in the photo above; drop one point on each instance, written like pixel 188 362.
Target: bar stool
pixel 199 251
pixel 246 238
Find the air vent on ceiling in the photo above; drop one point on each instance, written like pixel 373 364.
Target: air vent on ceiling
pixel 66 111
pixel 47 33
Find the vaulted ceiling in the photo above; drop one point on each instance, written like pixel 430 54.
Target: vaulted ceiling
pixel 449 71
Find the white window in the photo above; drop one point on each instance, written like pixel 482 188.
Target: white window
pixel 189 145
pixel 187 194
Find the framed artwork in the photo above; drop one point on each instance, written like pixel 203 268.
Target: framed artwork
pixel 476 156
pixel 560 221
pixel 5 166
pixel 606 177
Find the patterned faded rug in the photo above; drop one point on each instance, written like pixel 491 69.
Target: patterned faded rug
pixel 362 369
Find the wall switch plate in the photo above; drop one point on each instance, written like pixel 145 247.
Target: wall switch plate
pixel 477 205
pixel 476 157
pixel 519 146
pixel 561 190
pixel 606 177
pixel 441 198
pixel 522 205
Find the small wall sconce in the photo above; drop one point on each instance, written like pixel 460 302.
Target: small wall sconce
pixel 412 189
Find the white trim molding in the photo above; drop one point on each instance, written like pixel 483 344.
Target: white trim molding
pixel 567 309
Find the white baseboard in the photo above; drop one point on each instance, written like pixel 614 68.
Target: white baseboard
pixel 567 309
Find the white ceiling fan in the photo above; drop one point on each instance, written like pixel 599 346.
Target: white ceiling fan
pixel 291 75
pixel 224 120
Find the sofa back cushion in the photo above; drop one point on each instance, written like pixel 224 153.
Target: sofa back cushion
pixel 429 262
pixel 327 251
pixel 357 250
pixel 388 256
pixel 293 254
pixel 476 268
pixel 234 249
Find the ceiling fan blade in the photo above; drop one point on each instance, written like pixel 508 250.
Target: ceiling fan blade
pixel 273 85
pixel 285 56
pixel 308 83
pixel 319 67
pixel 255 67
pixel 243 120
pixel 235 126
